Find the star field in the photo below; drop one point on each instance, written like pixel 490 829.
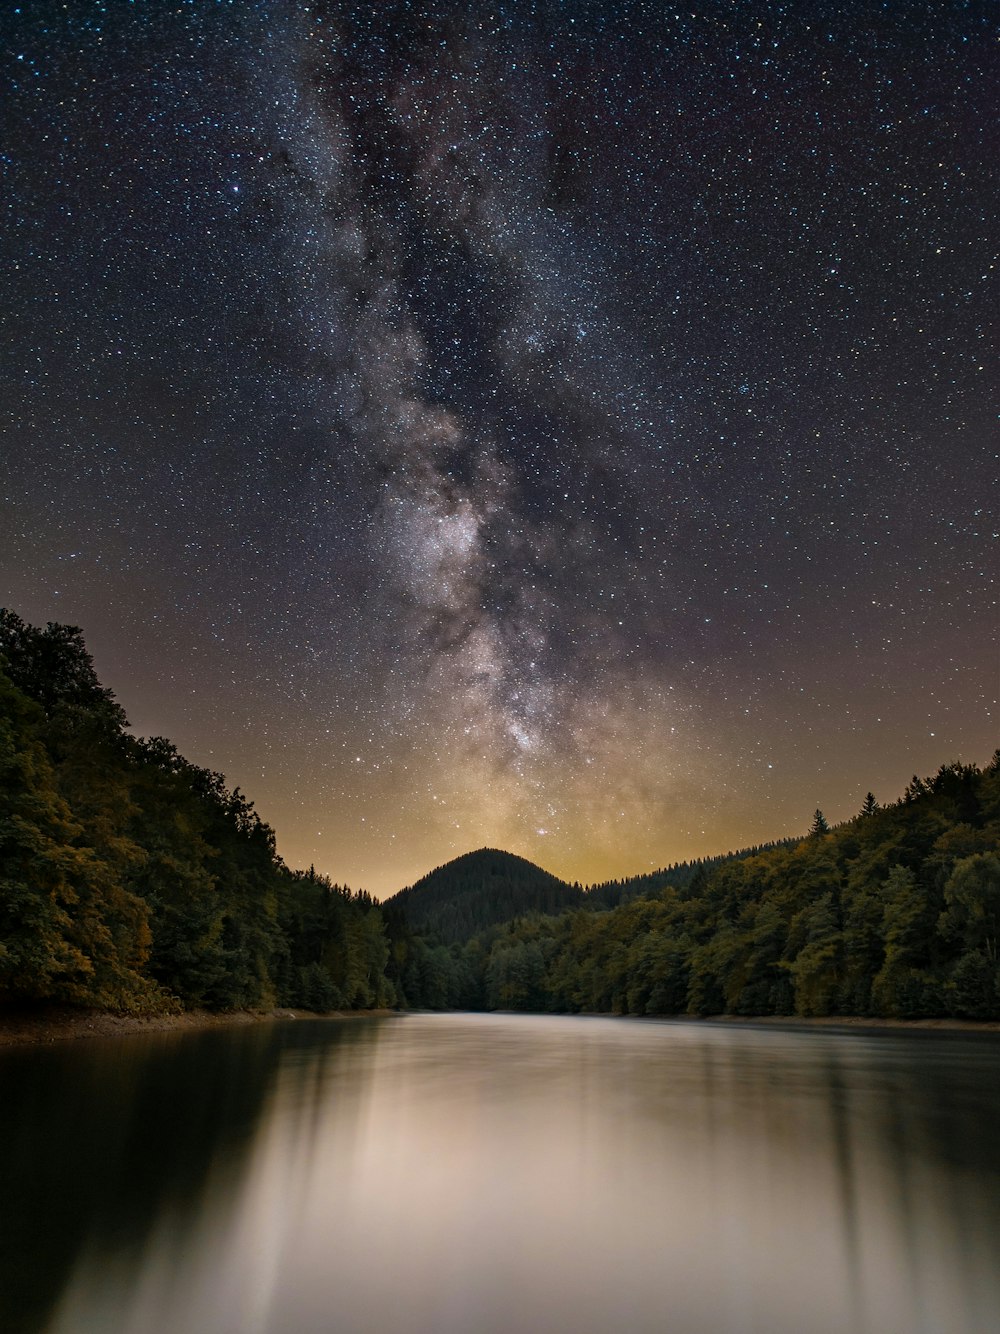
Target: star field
pixel 570 428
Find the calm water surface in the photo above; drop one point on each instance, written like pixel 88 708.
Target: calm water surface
pixel 477 1173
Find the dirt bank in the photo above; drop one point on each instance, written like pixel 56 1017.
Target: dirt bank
pixel 57 1024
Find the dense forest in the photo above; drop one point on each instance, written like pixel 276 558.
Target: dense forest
pixel 134 881
pixel 479 890
pixel 895 913
pixel 482 889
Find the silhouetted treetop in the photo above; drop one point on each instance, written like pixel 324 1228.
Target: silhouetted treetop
pixel 52 666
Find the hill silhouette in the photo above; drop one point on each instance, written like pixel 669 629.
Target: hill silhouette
pixel 137 882
pixel 481 889
pixel 489 888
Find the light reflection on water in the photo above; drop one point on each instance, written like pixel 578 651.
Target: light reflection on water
pixel 499 1173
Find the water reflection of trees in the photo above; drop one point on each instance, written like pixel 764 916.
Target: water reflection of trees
pixel 761 1151
pixel 99 1140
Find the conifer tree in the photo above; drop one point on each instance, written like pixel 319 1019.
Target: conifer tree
pixel 819 825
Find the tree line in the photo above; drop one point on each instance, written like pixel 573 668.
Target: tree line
pixel 132 880
pixel 135 881
pixel 895 913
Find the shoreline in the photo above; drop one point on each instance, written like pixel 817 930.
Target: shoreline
pixel 64 1024
pixel 845 1021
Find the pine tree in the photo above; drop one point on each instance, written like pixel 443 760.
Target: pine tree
pixel 869 806
pixel 819 825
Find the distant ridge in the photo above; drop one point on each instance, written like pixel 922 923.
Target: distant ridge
pixel 490 887
pixel 482 889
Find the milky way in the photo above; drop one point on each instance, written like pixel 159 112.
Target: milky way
pixel 571 428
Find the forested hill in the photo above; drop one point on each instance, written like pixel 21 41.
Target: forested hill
pixel 134 881
pixel 893 913
pixel 466 896
pixel 687 878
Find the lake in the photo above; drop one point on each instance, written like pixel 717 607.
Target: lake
pixel 481 1173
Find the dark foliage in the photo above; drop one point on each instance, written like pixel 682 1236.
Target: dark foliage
pixel 134 881
pixel 461 899
pixel 464 898
pixel 895 913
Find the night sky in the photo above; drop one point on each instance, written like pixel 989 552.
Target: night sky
pixel 571 428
